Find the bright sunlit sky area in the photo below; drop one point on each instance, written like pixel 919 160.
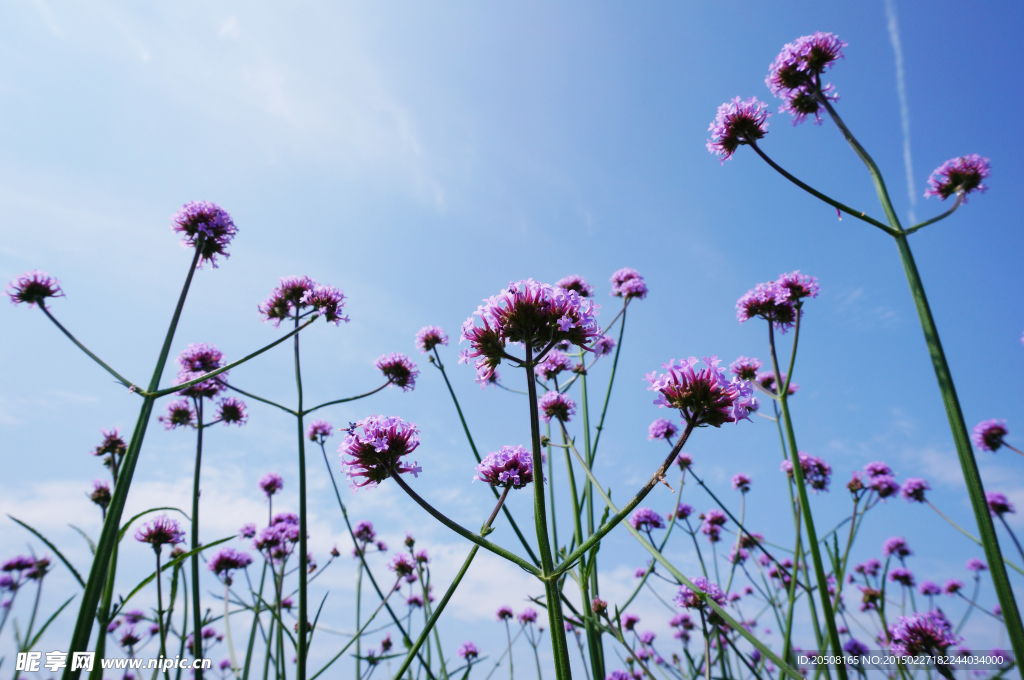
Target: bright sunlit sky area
pixel 420 156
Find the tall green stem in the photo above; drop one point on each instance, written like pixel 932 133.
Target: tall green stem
pixel 197 612
pixel 303 540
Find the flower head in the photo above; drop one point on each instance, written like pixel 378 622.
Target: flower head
pixel 998 504
pixel 32 288
pixel 741 483
pixel 364 532
pixel 112 444
pixel 504 613
pixel 197 360
pixel 869 568
pixel 683 511
pixel 247 530
pixel 377 452
pixel 556 405
pixel 930 588
pixel 914 488
pixel 278 540
pixel 988 434
pixel 877 469
pixel 160 532
pixel 604 344
pixel 319 431
pixel 577 284
pixel 958 176
pixel 326 301
pixel 855 647
pixel 903 576
pixel 232 411
pixel 19 563
pixel 508 466
pixel 684 461
pixel 817 473
pixel 528 615
pixel 179 414
pixel 897 545
pixel 926 633
pixel 646 519
pixel 430 337
pixel 628 284
pixel 271 483
pixel 468 651
pixel 690 599
pixel 737 122
pixel 952 586
pixel 745 368
pixel 398 369
pixel 228 560
pixel 647 637
pixel 130 638
pixel 714 519
pixel 884 486
pixel 629 621
pixel 100 494
pixel 554 363
pixel 403 565
pixel 662 429
pixel 704 397
pixel 976 565
pixel 207 221
pixel 769 301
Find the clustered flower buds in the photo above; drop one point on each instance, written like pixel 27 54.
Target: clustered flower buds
pixel 160 532
pixel 508 466
pixel 398 369
pixel 295 294
pixel 430 337
pixel 33 288
pixel 704 397
pixel 376 453
pixel 817 473
pixel 206 222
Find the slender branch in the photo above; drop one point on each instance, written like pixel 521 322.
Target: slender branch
pixel 265 401
pixel 922 225
pixel 347 399
pixel 124 381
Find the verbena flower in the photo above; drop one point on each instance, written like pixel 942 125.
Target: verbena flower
pixel 133 616
pixel 689 599
pixel 927 633
pixel 662 429
pixel 737 122
pixel 179 414
pixel 100 494
pixel 247 530
pixel 526 312
pixel 556 405
pixel 297 293
pixel 19 563
pixel 869 568
pixel 903 576
pixel 554 363
pixel 988 434
pixel 160 532
pixel 130 638
pixel 197 360
pixel 684 461
pixel 704 397
pixel 738 555
pixel 628 284
pixel 403 565
pixel 877 468
pixel 271 483
pixel 508 466
pixel 855 647
pixel 377 452
pixel 422 557
pixel 976 565
pixel 897 545
pixel 228 560
pixel 232 411
pixel 577 284
pixel 32 288
pixel 327 301
pixel 198 219
pixel 914 488
pixel 430 337
pixel 604 344
pixel 647 637
pixel 998 504
pixel 712 527
pixel 599 606
pixel 817 473
pixel 884 486
pixel 628 621
pixel 741 483
pixel 683 511
pixel 468 651
pixel 319 431
pixel 958 176
pixel 767 380
pixel 398 369
pixel 795 74
pixel 278 540
pixel 929 588
pixel 952 586
pixel 528 615
pixel 745 368
pixel 414 601
pixel 504 613
pixel 646 519
pixel 364 532
pixel 112 444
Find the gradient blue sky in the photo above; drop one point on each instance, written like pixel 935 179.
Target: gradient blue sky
pixel 420 156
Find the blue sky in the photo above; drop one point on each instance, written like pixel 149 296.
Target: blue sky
pixel 422 156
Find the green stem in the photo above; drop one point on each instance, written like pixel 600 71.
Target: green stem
pixel 346 399
pixel 160 608
pixel 922 225
pixel 197 614
pixel 265 401
pixel 303 523
pixel 124 381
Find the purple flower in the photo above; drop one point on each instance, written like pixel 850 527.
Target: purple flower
pixel 627 283
pixel 988 434
pixel 618 674
pixel 904 576
pixel 179 414
pixel 364 532
pixel 285 518
pixel 646 519
pixel 286 297
pixel 817 473
pixel 528 615
pixel 231 410
pixel 998 504
pixel 741 483
pixel 629 621
pixel 689 599
pixel 422 557
pixel 647 637
pixel 160 532
pixel 684 461
pixel 271 483
pixel 130 638
pixel 100 494
pixel 745 368
pixel 403 565
pixel 712 526
pixel 468 651
pixel 661 429
pixel 769 301
pixel 504 613
pixel 914 488
pixel 640 572
pixel 133 616
pixel 554 363
pixel 896 546
pixel 855 647
pixel 737 122
pixel 795 74
pixel 208 220
pixel 869 568
pixel 398 369
pixel 377 453
pixel 738 555
pixel 508 466
pixel 32 288
pixel 414 601
pixel 19 563
pixel 603 345
pixel 112 444
pixel 319 431
pixel 877 469
pixel 958 176
pixel 976 565
pixel 326 301
pixel 704 397
pixel 278 540
pixel 799 285
pixel 930 588
pixel 247 530
pixel 577 284
pixel 228 560
pixel 884 486
pixel 430 337
pixel 197 360
pixel 767 380
pixel 556 405
pixel 527 312
pixel 927 633
pixel 952 586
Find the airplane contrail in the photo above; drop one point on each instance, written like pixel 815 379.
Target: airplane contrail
pixel 901 90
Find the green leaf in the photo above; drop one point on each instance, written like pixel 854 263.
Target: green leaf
pixel 171 564
pixel 49 621
pixel 52 547
pixel 92 545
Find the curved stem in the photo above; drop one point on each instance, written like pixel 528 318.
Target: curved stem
pixel 265 401
pixel 922 225
pixel 197 614
pixel 124 381
pixel 160 609
pixel 346 399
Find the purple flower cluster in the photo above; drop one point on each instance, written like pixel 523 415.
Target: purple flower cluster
pixel 295 293
pixel 999 504
pixel 556 405
pixel 554 363
pixel 398 369
pixel 603 345
pixel 745 368
pixel 714 520
pixel 271 483
pixel 228 560
pixel 902 576
pixel 628 284
pixel 779 301
pixel 319 431
pixel 468 651
pixel 704 397
pixel 897 546
pixel 100 494
pixel 32 288
pixel 914 488
pixel 646 519
pixel 278 540
pixel 528 615
pixel 988 434
pixel 508 466
pixel 741 483
pixel 430 337
pixel 529 312
pixel 179 414
pixel 661 429
pixel 795 75
pixel 504 613
pixel 112 444
pixel 197 360
pixel 817 473
pixel 232 411
pixel 404 566
pixel 927 633
pixel 958 176
pixel 160 532
pixel 577 284
pixel 737 122
pixel 207 221
pixel 376 453
pixel 690 599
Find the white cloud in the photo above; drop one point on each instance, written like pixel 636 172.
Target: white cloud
pixel 229 29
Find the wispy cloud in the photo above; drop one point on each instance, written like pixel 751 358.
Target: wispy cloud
pixel 901 90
